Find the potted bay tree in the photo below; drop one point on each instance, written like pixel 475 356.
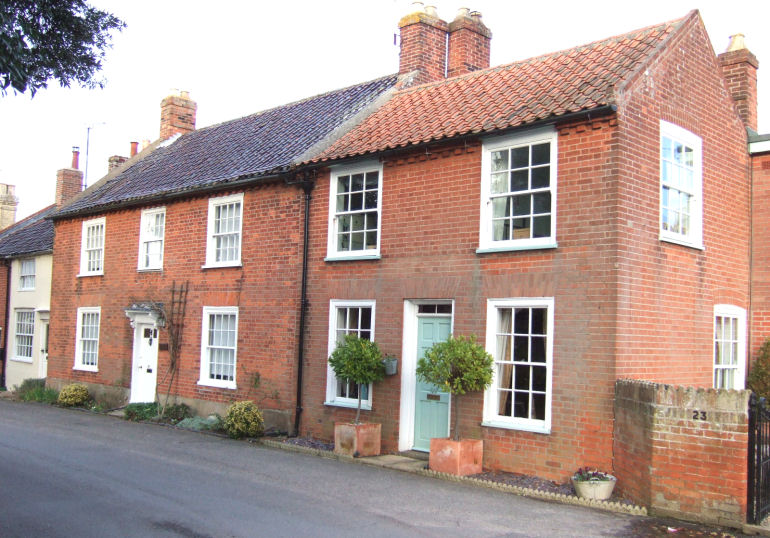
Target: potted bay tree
pixel 458 366
pixel 357 360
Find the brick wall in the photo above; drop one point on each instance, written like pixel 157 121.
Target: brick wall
pixel 760 275
pixel 430 233
pixel 667 292
pixel 683 452
pixel 265 288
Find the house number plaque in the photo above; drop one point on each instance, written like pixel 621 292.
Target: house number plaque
pixel 698 415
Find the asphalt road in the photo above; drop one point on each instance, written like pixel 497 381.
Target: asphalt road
pixel 71 473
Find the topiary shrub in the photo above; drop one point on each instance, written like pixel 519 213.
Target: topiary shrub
pixel 75 395
pixel 457 365
pixel 358 360
pixel 243 419
pixel 759 376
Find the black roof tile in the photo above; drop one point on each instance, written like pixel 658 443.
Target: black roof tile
pixel 257 145
pixel 28 236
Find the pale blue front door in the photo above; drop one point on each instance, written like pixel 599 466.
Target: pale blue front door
pixel 431 418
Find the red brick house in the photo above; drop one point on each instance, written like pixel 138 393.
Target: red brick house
pixel 585 213
pixel 179 272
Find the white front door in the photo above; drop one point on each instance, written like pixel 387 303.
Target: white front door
pixel 43 365
pixel 144 373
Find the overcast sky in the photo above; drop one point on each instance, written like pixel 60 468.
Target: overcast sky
pixel 236 58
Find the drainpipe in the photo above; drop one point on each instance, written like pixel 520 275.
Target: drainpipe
pixel 307 187
pixel 4 353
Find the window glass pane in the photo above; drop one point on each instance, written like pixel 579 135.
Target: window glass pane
pixel 538 378
pixel 521 405
pixel 521 348
pixel 539 324
pixel 521 205
pixel 541 177
pixel 541 154
pixel 501 207
pixel 357 182
pixel 541 226
pixel 541 202
pixel 499 160
pixel 519 180
pixel 520 157
pixel 538 404
pixel 501 230
pixel 538 349
pixel 522 377
pixel 499 183
pixel 521 323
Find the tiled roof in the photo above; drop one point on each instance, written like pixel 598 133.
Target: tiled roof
pixel 28 236
pixel 256 145
pixel 504 97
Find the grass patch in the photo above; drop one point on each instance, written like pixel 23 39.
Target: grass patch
pixel 34 390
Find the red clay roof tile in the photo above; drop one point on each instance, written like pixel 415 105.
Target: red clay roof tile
pixel 503 97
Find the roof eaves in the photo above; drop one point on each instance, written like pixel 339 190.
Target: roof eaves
pixel 165 196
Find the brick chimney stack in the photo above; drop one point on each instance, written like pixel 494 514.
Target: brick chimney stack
pixel 8 203
pixel 423 44
pixel 134 148
pixel 177 115
pixel 69 181
pixel 739 68
pixel 469 43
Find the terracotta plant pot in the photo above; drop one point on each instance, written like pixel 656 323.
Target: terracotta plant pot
pixel 463 457
pixel 600 490
pixel 357 440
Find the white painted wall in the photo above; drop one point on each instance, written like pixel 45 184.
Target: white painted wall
pixel 39 300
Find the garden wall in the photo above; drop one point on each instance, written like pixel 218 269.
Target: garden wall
pixel 681 451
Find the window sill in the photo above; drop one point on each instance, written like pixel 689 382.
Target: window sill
pixel 364 406
pixel 86 368
pixel 26 289
pixel 520 427
pixel 683 242
pixel 352 258
pixel 222 265
pixel 25 360
pixel 81 275
pixel 513 248
pixel 230 386
pixel 149 270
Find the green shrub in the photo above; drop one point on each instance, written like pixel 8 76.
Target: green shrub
pixel 210 423
pixel 74 395
pixel 243 419
pixel 759 376
pixel 34 390
pixel 140 411
pixel 358 360
pixel 457 365
pixel 177 412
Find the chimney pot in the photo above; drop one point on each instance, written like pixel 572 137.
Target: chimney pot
pixel 431 10
pixel 75 157
pixel 134 148
pixel 736 43
pixel 462 12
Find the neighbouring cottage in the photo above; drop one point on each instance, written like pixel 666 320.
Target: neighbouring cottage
pixel 586 213
pixel 179 272
pixel 27 248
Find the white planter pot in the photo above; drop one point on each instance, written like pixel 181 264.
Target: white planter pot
pixel 600 490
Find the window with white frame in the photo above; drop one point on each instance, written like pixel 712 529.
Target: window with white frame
pixel 729 347
pixel 219 346
pixel 87 341
pixel 520 338
pixel 151 234
pixel 27 274
pixel 348 317
pixel 681 186
pixel 224 231
pixel 25 332
pixel 518 191
pixel 354 211
pixel 92 247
